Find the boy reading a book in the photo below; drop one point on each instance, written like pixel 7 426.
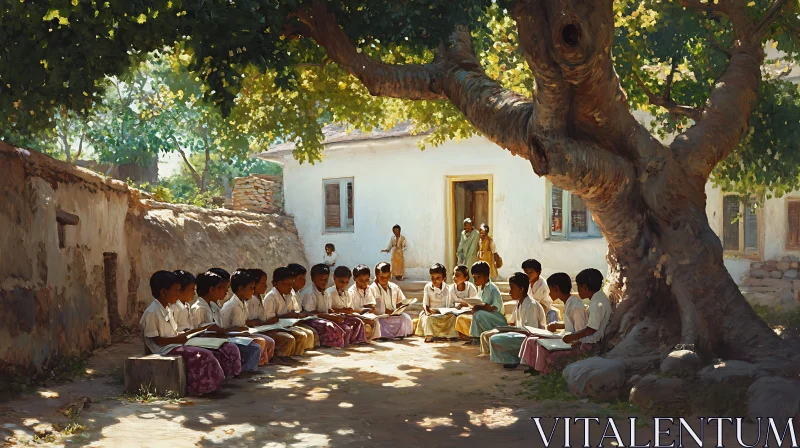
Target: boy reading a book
pixel 363 302
pixel 590 283
pixel 204 374
pixel 388 297
pixel 314 300
pixel 432 323
pixel 538 288
pixel 341 303
pixel 504 347
pixel 277 303
pixel 298 284
pixel 488 314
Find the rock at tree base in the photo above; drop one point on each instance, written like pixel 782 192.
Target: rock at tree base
pixel 681 363
pixel 595 377
pixel 160 374
pixel 655 392
pixel 728 371
pixel 774 397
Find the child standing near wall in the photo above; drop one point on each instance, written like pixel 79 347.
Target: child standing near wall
pixel 397 246
pixel 203 372
pixel 330 259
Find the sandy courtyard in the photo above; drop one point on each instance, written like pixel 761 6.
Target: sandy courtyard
pixel 403 394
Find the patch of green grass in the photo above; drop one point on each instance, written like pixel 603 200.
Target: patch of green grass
pixel 778 317
pixel 549 387
pixel 147 394
pixel 71 429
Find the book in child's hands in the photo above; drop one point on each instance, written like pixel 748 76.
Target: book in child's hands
pixel 471 301
pixel 455 311
pixel 552 345
pixel 532 331
pixel 403 305
pixel 263 328
pixel 199 333
pixel 370 316
pixel 240 340
pixel 288 322
pixel 209 343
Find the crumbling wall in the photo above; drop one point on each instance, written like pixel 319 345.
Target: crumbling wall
pixel 774 283
pixel 52 281
pixel 170 237
pixel 77 250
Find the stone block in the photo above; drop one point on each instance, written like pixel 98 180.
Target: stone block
pixel 776 274
pixel 795 265
pixel 681 363
pixel 595 377
pixel 160 373
pixel 729 371
pixel 759 273
pixel 654 392
pixel 756 265
pixel 784 265
pixel 791 273
pixel 774 397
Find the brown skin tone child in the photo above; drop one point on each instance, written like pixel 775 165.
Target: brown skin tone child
pixel 167 297
pixel 556 294
pixel 480 281
pixel 436 279
pixel 396 233
pixel 320 281
pixel 460 281
pixel 584 293
pixel 341 284
pixel 382 279
pixel 244 294
pixel 533 276
pixel 217 294
pixel 286 287
pixel 362 283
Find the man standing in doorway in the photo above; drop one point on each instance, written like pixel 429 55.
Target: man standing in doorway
pixel 467 251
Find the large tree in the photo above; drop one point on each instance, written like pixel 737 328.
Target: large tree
pixel 537 77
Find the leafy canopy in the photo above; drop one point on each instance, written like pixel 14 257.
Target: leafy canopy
pixel 277 88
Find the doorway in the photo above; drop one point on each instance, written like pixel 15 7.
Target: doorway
pixel 468 197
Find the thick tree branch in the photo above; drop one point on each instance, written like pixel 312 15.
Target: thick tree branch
pixel 189 165
pixel 726 115
pixel 412 81
pixel 666 102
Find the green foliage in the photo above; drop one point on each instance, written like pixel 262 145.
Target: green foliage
pixel 778 317
pixel 147 394
pixel 227 73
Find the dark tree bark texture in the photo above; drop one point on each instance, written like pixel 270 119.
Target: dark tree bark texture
pixel 668 279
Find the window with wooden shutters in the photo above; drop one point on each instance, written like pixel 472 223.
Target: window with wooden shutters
pixel 569 216
pixel 338 204
pixel 793 231
pixel 739 225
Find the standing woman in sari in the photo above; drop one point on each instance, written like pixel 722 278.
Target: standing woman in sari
pixel 467 250
pixel 487 250
pixel 397 246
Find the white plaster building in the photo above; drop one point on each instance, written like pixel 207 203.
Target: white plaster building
pixel 366 183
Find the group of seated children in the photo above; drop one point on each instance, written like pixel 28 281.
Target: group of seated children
pixel 511 342
pixel 256 325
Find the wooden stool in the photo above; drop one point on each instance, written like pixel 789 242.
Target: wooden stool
pixel 160 373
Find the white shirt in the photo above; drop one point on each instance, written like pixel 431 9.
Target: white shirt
pixel 255 310
pixel 313 300
pixel 339 299
pixel 202 314
pixel 539 292
pixel 182 314
pixel 575 317
pixel 216 313
pixel 528 313
pixel 434 297
pixel 386 299
pixel 397 245
pixel 234 313
pixel 599 317
pixel 360 298
pixel 273 304
pixel 330 260
pixel 469 292
pixel 158 321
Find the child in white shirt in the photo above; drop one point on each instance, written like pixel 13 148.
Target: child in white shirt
pixel 538 288
pixel 363 302
pixel 436 294
pixel 388 297
pixel 504 346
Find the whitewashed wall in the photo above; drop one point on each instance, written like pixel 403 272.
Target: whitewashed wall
pixel 396 183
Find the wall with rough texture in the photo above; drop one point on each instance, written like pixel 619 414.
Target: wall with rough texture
pixel 61 300
pixel 258 193
pixel 171 237
pixel 52 298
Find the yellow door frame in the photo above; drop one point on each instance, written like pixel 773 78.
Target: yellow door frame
pixel 451 230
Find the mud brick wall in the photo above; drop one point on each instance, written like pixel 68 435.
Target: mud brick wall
pixel 77 250
pixel 258 193
pixel 774 283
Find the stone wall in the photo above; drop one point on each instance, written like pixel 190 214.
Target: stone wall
pixel 774 283
pixel 258 193
pixel 77 250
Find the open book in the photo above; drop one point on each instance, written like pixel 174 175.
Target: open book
pixel 403 305
pixel 209 343
pixel 531 331
pixel 240 340
pixel 199 333
pixel 554 344
pixel 288 321
pixel 455 311
pixel 471 301
pixel 263 328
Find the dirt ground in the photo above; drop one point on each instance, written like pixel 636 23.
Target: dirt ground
pixel 404 393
